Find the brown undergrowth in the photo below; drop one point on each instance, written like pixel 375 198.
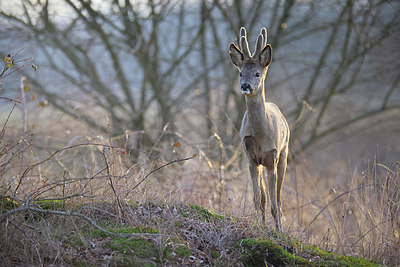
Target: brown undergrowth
pixel 90 198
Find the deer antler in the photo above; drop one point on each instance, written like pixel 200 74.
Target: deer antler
pixel 261 42
pixel 244 45
pixel 264 33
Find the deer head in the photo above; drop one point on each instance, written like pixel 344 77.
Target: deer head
pixel 252 68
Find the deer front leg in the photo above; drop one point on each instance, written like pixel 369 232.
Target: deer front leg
pixel 258 190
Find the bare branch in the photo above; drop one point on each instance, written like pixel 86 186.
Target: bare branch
pixel 165 165
pixel 29 207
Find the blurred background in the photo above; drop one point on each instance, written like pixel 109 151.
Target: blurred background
pixel 154 78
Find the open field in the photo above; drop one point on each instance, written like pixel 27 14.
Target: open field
pixel 346 208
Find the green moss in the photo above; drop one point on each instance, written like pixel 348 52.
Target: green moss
pixel 7 204
pixel 183 251
pixel 178 224
pixel 335 259
pixel 176 247
pixel 139 247
pixel 167 252
pixel 258 252
pixel 215 255
pixel 133 249
pixel 204 213
pixel 133 204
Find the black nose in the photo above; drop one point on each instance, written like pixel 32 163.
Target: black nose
pixel 246 87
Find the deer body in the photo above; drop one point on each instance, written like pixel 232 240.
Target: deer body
pixel 264 131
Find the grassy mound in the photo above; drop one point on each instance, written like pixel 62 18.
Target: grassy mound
pixel 151 235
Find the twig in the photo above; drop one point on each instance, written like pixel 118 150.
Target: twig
pixel 28 169
pixel 112 183
pixel 10 99
pixel 376 225
pixel 30 240
pixel 27 207
pixel 5 215
pixel 221 182
pixel 103 211
pixel 169 163
pixel 64 198
pixel 24 117
pixel 3 130
pixel 333 200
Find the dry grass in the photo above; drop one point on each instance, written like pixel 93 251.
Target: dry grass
pixel 345 209
pixel 353 214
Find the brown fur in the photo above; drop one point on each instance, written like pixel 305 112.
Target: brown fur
pixel 264 132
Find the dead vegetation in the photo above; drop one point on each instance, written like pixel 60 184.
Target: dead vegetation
pixel 90 203
pixel 152 234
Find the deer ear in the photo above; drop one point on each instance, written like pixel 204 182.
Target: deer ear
pixel 236 55
pixel 265 56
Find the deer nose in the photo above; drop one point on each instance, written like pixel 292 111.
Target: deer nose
pixel 246 87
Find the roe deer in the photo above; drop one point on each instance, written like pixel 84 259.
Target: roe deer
pixel 264 132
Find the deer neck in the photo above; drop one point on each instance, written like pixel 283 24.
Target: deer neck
pixel 257 110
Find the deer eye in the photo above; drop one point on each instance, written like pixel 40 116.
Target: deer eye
pixel 257 74
pixel 240 74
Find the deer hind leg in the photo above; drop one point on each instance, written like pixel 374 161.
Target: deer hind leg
pixel 272 186
pixel 263 192
pixel 270 162
pixel 281 176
